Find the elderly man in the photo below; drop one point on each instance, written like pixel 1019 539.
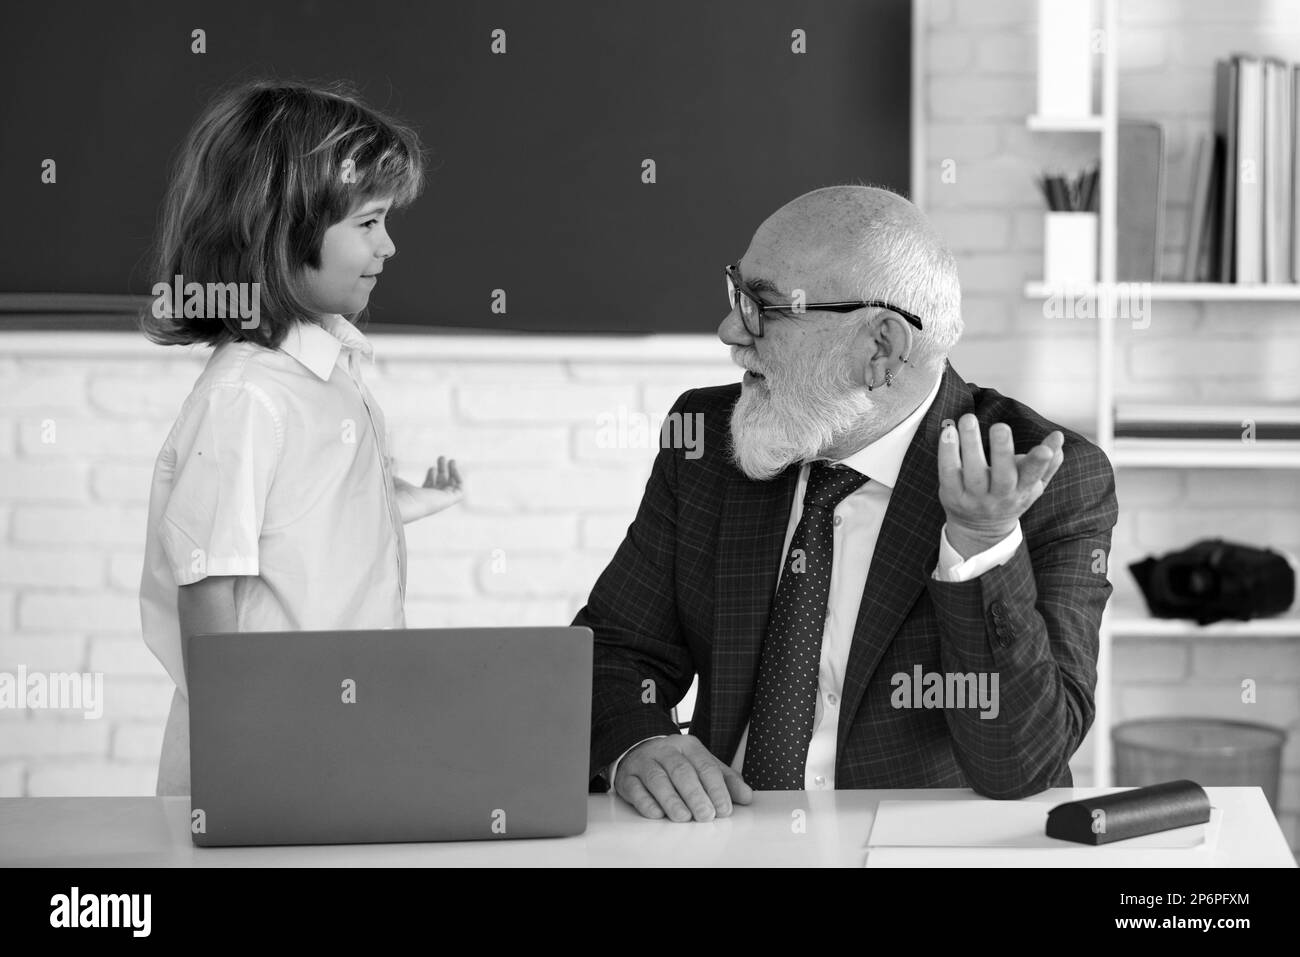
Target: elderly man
pixel 884 577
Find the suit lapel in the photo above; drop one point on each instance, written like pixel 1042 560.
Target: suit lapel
pixel 906 551
pixel 752 530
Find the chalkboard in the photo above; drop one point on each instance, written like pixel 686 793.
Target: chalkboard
pixel 536 185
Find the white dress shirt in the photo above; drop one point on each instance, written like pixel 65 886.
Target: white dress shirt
pixel 277 473
pixel 858 519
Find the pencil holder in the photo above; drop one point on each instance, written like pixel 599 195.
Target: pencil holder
pixel 1070 247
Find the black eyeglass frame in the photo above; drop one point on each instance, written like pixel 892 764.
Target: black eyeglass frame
pixel 737 286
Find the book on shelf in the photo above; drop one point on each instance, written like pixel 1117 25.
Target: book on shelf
pixel 1245 202
pixel 1225 136
pixel 1277 171
pixel 1199 223
pixel 1140 195
pixel 1262 422
pixel 1248 263
pixel 1295 173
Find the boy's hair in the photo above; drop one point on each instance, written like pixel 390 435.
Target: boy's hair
pixel 267 168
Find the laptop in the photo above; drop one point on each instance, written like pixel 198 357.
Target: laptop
pixel 351 737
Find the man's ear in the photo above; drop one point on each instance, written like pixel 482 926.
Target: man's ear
pixel 883 344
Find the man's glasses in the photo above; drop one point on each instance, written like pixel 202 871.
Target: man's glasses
pixel 752 309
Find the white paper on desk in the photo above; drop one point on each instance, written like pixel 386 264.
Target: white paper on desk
pixel 1072 856
pixel 1009 824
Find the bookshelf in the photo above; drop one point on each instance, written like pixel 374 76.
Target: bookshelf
pixel 1184 291
pixel 1064 124
pixel 1122 619
pixel 1203 454
pixel 1132 621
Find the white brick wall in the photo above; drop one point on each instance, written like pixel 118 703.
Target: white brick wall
pixel 546 499
pixel 545 508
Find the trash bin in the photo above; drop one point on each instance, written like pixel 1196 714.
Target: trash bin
pixel 1208 751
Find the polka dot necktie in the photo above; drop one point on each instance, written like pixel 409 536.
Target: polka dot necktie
pixel 785 701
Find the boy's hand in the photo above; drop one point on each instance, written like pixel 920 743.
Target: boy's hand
pixel 442 489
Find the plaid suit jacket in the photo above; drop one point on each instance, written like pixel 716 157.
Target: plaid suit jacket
pixel 691 585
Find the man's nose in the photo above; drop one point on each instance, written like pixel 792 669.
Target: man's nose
pixel 732 331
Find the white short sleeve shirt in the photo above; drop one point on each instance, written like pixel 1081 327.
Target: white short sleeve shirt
pixel 277 471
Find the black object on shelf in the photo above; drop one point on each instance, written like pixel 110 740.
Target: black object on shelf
pixel 1213 580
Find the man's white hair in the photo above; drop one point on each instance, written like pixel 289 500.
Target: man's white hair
pixel 899 257
pixel 878 245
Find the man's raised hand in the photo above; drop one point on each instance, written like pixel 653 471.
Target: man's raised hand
pixel 984 499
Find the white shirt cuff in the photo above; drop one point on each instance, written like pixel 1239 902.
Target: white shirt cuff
pixel 613 768
pixel 953 568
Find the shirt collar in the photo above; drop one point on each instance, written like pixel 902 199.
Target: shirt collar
pixel 317 346
pixel 882 459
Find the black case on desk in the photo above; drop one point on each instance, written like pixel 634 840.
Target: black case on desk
pixel 1160 807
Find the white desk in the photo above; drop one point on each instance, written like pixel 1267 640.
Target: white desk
pixel 154 832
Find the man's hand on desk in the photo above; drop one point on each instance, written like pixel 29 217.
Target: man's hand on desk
pixel 677 776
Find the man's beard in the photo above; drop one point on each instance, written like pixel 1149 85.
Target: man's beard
pixel 801 408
